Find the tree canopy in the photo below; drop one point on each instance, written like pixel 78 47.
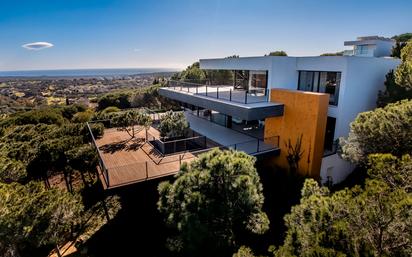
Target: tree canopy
pixel 383 130
pixel 147 97
pixel 277 53
pixel 36 144
pixel 194 74
pixel 400 43
pixel 131 121
pixel 403 73
pixel 31 216
pixel 212 202
pixel 333 54
pixel 173 124
pixel 374 221
pixel 118 99
pixel 393 92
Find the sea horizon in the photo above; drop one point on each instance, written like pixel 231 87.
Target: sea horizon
pixel 88 72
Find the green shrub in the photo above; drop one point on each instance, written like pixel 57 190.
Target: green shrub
pixel 97 129
pixel 82 117
pixel 110 109
pixel 45 116
pixel 119 99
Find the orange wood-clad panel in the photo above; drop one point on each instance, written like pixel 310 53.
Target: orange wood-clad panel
pixel 305 114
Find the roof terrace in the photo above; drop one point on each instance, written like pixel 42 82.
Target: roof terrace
pixel 243 104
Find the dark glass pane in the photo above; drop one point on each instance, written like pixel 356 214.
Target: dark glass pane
pixel 305 80
pixel 329 134
pixel 329 83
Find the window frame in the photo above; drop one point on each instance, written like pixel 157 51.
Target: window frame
pixel 336 102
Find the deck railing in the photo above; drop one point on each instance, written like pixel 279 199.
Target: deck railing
pixel 256 146
pixel 223 92
pixel 102 166
pixel 168 147
pixel 153 168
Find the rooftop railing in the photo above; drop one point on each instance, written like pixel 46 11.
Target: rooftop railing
pixel 223 92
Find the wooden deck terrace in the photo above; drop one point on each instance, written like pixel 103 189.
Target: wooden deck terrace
pixel 127 161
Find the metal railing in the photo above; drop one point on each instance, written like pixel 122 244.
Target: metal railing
pixel 256 146
pixel 147 170
pixel 224 92
pixel 194 142
pixel 102 166
pixel 154 168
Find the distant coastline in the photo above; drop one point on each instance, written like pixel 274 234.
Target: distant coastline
pixel 74 73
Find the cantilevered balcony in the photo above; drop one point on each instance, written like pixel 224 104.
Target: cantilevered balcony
pixel 243 104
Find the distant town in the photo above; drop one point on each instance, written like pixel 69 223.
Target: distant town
pixel 34 91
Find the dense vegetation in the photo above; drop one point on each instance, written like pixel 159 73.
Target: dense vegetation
pixel 147 97
pixel 400 43
pixel 213 203
pixel 41 142
pixel 403 74
pixel 333 54
pixel 46 164
pixel 371 221
pixel 393 92
pixel 398 84
pixel 384 130
pixel 32 216
pixel 173 124
pixel 277 53
pixel 194 74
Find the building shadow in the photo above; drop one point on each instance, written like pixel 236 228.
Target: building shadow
pixel 137 230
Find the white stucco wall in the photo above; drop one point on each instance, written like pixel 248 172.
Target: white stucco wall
pixel 361 79
pixel 283 73
pixel 335 167
pixel 244 63
pixel 383 48
pixel 321 63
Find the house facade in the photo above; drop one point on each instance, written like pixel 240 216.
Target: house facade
pixel 305 102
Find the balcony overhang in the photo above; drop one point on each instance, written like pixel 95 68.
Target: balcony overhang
pixel 249 111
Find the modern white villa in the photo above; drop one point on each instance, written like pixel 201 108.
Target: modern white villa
pixel 287 98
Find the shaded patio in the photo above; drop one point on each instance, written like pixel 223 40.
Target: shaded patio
pixel 231 138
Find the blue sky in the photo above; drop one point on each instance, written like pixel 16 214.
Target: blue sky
pixel 174 33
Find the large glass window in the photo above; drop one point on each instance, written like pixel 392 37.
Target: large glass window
pixel 362 49
pixel 218 118
pixel 258 82
pixel 329 83
pixel 306 80
pixel 321 81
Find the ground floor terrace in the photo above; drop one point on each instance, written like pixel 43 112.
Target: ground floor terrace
pixel 124 160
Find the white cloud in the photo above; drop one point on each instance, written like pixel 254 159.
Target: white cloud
pixel 137 50
pixel 37 45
